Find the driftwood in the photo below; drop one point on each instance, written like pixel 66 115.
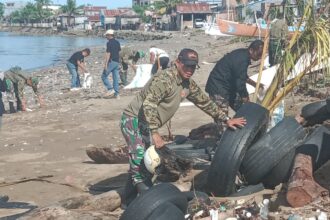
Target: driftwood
pixel 302 188
pixel 210 130
pixel 107 155
pixel 82 207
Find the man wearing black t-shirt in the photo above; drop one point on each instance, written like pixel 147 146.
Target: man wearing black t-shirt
pixel 75 61
pixel 229 77
pixel 111 65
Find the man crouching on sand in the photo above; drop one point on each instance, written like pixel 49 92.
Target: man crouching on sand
pixel 16 80
pixel 155 105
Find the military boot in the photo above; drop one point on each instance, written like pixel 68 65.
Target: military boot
pixel 11 107
pixel 19 105
pixel 130 193
pixel 123 77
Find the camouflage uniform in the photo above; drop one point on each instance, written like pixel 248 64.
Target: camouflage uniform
pixel 278 36
pixel 154 106
pixel 126 55
pixel 15 83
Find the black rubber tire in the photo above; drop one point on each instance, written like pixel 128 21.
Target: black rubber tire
pixel 167 211
pixel 268 151
pixel 180 139
pixel 232 147
pixel 190 195
pixel 144 205
pixel 281 172
pixel 328 104
pixel 317 146
pixel 314 108
pixel 192 154
pixel 314 145
pixel 248 190
pixel 316 112
pixel 325 151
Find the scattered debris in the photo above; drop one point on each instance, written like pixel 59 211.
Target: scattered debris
pixel 108 155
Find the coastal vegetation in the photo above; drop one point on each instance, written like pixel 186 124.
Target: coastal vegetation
pixel 38 11
pixel 312 45
pixel 2 10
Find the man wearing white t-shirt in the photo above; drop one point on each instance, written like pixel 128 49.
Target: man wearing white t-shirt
pixel 159 58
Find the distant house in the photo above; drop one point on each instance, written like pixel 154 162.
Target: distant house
pixel 12 6
pixel 121 18
pixel 53 8
pixel 144 2
pixel 94 10
pixel 76 21
pixel 186 14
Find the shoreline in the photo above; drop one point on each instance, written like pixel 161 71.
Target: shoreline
pixel 53 140
pixel 120 34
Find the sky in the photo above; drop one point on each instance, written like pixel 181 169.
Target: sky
pixel 111 4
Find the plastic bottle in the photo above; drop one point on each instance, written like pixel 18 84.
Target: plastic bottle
pixel 264 209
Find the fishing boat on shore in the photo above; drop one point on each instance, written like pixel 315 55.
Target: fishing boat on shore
pixel 235 28
pixel 250 30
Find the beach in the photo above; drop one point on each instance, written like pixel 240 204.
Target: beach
pixel 52 140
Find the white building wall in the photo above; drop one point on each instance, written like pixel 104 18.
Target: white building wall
pixel 11 6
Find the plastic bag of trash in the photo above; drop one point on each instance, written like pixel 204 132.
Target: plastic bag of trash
pixel 277 116
pixel 143 74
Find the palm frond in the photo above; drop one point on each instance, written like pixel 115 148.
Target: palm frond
pixel 313 43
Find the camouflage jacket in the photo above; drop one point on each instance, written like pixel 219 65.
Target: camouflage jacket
pixel 278 30
pixel 126 55
pixel 161 97
pixel 16 76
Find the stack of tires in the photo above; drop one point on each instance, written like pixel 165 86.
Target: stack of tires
pixel 259 156
pixel 161 202
pixel 266 158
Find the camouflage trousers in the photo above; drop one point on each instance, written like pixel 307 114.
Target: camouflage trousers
pixel 223 104
pixel 123 71
pixel 275 51
pixel 137 137
pixel 11 92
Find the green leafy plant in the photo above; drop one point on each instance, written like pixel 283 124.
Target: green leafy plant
pixel 314 40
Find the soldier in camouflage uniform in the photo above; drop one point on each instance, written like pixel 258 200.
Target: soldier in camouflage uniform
pixel 157 103
pixel 277 39
pixel 128 57
pixel 15 82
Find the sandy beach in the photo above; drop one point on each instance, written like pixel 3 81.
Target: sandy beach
pixel 52 140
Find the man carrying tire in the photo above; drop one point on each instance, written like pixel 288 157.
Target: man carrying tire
pixel 157 103
pixel 229 77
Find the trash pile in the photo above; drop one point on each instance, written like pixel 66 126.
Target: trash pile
pixel 288 153
pixel 250 173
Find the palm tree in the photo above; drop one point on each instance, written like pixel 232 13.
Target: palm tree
pixel 2 10
pixel 70 8
pixel 29 13
pixel 41 11
pixel 166 6
pixel 314 40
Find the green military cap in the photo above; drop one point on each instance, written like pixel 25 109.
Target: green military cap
pixel 141 53
pixel 35 81
pixel 15 69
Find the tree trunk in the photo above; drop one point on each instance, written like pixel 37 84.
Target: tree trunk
pixel 302 189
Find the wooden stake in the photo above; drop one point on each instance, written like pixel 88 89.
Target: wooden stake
pixel 302 189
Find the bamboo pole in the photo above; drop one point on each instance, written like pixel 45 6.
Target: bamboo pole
pixel 282 72
pixel 264 51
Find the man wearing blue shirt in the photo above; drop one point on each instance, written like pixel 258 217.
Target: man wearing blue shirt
pixel 111 65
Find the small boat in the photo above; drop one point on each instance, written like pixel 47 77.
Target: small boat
pixel 250 30
pixel 235 28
